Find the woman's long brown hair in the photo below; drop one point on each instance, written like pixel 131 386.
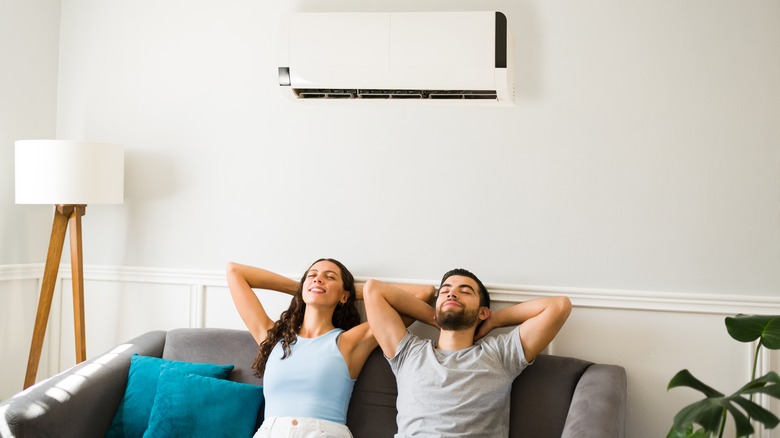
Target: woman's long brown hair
pixel 285 330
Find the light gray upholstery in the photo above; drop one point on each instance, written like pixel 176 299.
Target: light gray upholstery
pixel 213 345
pixel 556 396
pixel 79 402
pixel 598 407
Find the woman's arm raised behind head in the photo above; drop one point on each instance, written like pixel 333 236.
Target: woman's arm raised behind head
pixel 241 280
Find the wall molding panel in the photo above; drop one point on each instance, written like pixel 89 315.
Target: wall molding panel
pixel 30 271
pixel 718 304
pixel 200 281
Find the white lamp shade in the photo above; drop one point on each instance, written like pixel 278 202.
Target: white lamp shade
pixel 69 172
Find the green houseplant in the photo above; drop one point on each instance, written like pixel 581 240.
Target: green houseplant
pixel 710 413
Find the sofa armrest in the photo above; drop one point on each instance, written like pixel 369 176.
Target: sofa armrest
pixel 80 401
pixel 598 407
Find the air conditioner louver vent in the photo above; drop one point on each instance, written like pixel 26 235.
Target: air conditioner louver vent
pixel 330 93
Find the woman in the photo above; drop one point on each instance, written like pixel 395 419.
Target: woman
pixel 310 358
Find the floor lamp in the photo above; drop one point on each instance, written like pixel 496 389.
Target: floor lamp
pixel 70 175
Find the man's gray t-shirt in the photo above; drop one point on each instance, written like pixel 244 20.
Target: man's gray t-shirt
pixel 456 393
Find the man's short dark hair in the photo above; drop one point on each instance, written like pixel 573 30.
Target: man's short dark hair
pixel 484 296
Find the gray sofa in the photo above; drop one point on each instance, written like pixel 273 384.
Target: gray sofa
pixel 556 396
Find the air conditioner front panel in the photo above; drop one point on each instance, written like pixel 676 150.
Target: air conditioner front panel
pixel 339 50
pixel 443 49
pixel 402 51
pixel 446 40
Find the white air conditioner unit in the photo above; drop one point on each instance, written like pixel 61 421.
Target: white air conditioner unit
pixel 423 56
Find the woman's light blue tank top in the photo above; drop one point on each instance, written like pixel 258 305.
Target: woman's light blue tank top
pixel 313 381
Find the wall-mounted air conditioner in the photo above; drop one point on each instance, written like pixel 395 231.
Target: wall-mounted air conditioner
pixel 425 56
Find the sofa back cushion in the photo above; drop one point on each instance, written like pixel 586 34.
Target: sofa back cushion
pixel 542 394
pixel 372 411
pixel 540 401
pixel 215 345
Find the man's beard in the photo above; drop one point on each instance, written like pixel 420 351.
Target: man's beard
pixel 456 320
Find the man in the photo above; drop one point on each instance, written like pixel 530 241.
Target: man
pixel 461 385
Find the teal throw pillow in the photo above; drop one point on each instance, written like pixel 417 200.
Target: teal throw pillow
pixel 132 417
pixel 191 406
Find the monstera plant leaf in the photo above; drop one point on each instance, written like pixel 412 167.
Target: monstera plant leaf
pixel 710 413
pixel 688 433
pixel 748 328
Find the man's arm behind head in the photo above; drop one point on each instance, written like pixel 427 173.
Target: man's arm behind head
pixel 540 320
pixel 385 305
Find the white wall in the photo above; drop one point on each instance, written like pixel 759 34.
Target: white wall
pixel 642 153
pixel 29 34
pixel 641 159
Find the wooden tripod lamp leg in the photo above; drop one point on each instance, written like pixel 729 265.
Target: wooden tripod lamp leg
pixel 65 216
pixel 77 270
pixel 58 228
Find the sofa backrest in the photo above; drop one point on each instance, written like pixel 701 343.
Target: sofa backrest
pixel 541 395
pixel 372 410
pixel 215 345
